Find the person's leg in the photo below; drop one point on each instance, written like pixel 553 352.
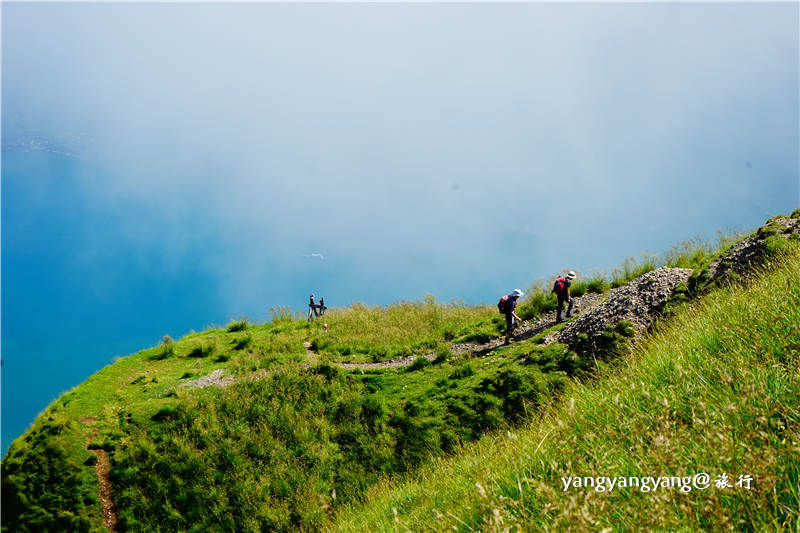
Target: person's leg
pixel 509 326
pixel 560 308
pixel 571 305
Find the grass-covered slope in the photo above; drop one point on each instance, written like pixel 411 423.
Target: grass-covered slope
pixel 288 438
pixel 292 437
pixel 715 391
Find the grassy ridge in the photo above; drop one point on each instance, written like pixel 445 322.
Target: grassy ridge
pixel 278 454
pixel 716 391
pixel 288 450
pixel 269 452
pixel 696 253
pixel 372 333
pixel 48 477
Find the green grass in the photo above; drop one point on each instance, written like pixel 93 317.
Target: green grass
pixel 538 299
pixel 715 390
pixel 271 454
pixel 286 451
pixel 363 333
pixel 239 325
pixel 49 482
pixel 268 453
pixel 696 253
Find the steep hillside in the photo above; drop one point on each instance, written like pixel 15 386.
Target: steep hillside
pixel 713 394
pixel 281 426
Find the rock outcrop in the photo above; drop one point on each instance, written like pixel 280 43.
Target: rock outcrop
pixel 638 303
pixel 749 252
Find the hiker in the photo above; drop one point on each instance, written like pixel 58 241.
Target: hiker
pixel 507 306
pixel 561 288
pixel 321 306
pixel 312 307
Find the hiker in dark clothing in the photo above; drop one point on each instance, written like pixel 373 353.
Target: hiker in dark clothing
pixel 507 306
pixel 561 288
pixel 321 306
pixel 312 307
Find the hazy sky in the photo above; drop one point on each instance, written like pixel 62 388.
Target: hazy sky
pixel 166 166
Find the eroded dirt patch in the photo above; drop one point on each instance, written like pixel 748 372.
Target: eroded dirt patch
pixel 103 468
pixel 394 363
pixel 214 379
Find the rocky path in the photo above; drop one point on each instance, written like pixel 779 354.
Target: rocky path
pixel 524 331
pixel 394 363
pixel 639 302
pixel 214 379
pixel 103 468
pixel 531 328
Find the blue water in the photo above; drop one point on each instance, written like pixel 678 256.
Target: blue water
pixel 74 292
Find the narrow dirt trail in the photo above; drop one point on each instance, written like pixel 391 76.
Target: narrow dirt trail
pixel 393 363
pixel 102 469
pixel 310 354
pixel 531 328
pixel 313 359
pixel 524 331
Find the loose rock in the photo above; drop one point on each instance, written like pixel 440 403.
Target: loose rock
pixel 638 302
pixel 748 253
pixel 214 379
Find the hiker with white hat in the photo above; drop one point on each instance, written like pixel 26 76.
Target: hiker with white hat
pixel 312 308
pixel 507 305
pixel 561 288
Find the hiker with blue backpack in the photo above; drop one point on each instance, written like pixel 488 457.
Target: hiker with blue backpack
pixel 561 288
pixel 507 306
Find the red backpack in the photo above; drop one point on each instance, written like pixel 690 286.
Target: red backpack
pixel 558 286
pixel 502 304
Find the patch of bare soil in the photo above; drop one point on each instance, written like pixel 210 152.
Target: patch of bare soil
pixel 103 468
pixel 214 379
pixel 394 363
